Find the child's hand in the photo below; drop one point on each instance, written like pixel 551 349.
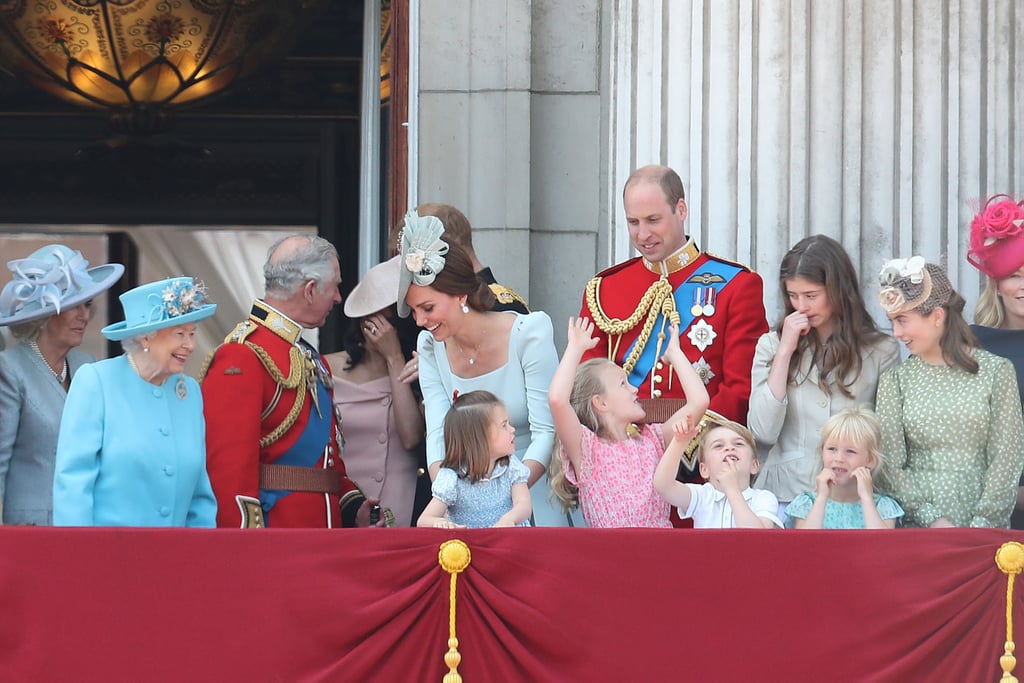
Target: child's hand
pixel 683 431
pixel 729 478
pixel 825 480
pixel 864 487
pixel 673 353
pixel 941 523
pixel 448 524
pixel 581 334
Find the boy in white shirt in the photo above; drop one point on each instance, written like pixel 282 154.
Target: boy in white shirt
pixel 728 461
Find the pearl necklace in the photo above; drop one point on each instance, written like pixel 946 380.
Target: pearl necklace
pixel 61 376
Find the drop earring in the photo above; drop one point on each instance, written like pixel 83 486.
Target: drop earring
pixel 465 308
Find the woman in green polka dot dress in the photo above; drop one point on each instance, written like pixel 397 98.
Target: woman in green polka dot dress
pixel 950 414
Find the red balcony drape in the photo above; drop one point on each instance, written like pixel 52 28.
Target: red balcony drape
pixel 534 605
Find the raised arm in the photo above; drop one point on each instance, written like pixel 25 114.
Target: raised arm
pixel 567 424
pixel 404 405
pixel 675 492
pixel 600 347
pixel 768 400
pixel 696 393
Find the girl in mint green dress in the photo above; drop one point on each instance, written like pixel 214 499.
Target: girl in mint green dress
pixel 844 495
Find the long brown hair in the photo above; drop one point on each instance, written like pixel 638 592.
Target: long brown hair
pixel 466 443
pixel 823 261
pixel 957 338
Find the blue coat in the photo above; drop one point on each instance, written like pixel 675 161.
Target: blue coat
pixel 131 453
pixel 31 402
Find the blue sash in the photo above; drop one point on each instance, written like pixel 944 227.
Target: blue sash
pixel 309 447
pixel 722 273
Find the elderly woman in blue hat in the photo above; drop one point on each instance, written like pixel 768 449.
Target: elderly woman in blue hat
pixel 47 309
pixel 132 444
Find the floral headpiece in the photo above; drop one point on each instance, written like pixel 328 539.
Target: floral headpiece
pixel 997 237
pixel 912 284
pixel 181 296
pixel 422 254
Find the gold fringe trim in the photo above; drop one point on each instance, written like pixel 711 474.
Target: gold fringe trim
pixel 454 557
pixel 1010 560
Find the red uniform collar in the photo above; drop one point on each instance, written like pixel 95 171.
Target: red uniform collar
pixel 267 316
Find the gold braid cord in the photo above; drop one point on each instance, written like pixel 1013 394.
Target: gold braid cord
pixel 454 557
pixel 657 299
pixel 296 379
pixel 1010 560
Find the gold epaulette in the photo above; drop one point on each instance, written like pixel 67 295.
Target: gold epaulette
pixel 507 295
pixel 238 335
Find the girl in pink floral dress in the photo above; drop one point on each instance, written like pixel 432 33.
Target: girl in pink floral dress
pixel 604 466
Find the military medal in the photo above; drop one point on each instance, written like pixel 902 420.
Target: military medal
pixel 703 301
pixel 701 335
pixel 180 390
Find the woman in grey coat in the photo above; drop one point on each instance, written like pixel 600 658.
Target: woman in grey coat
pixel 47 307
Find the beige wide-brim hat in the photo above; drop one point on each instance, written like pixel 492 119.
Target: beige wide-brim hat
pixel 376 291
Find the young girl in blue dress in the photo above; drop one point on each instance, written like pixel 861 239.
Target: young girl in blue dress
pixel 480 483
pixel 844 497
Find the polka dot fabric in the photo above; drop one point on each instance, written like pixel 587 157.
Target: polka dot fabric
pixel 953 441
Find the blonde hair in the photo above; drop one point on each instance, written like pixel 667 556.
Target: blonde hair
pixel 859 426
pixel 727 424
pixel 586 384
pixel 466 442
pixel 989 311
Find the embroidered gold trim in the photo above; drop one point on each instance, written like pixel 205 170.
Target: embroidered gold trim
pixel 506 295
pixel 676 262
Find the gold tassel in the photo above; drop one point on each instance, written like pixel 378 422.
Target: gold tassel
pixel 453 557
pixel 1010 560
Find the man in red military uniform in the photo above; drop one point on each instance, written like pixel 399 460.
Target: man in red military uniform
pixel 273 446
pixel 719 304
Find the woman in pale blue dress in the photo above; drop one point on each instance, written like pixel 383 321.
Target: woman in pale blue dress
pixel 466 347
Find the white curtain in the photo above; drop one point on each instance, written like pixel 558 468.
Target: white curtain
pixel 229 261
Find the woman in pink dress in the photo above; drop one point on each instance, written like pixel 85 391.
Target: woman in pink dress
pixel 379 411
